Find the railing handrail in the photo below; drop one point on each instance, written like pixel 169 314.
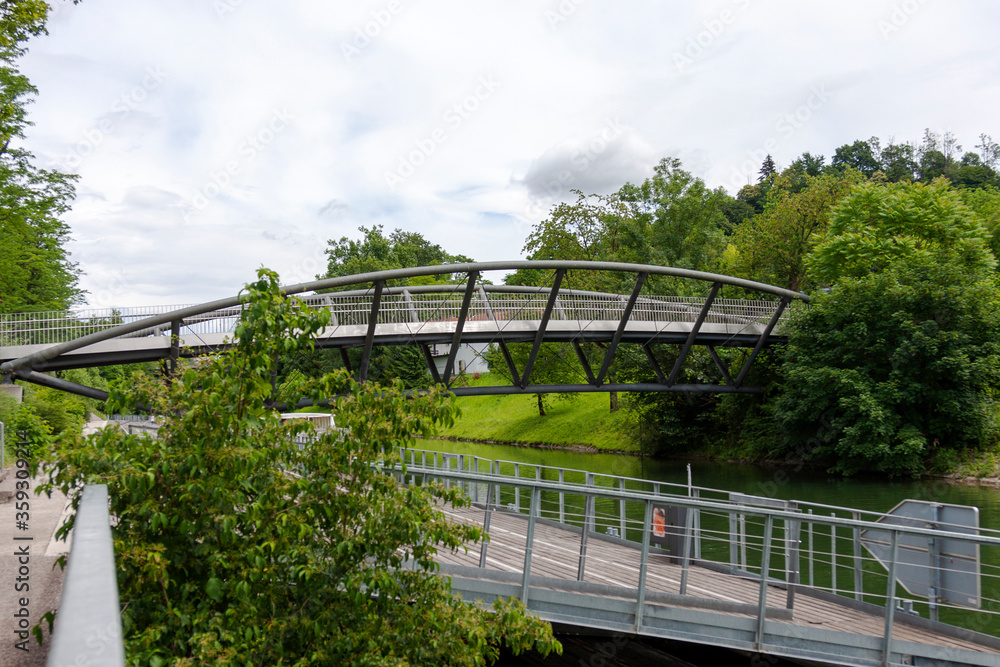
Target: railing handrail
pixel 692 502
pixel 803 504
pixel 89 621
pixel 471 268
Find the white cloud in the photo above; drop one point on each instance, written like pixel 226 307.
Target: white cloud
pixel 187 184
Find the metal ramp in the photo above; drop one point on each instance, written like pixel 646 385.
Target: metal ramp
pixel 580 576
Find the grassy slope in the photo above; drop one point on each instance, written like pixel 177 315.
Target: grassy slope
pixel 582 420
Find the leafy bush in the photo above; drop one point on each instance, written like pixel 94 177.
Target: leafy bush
pixel 236 545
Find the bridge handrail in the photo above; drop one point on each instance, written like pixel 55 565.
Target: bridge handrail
pixel 684 488
pixel 392 274
pixel 89 621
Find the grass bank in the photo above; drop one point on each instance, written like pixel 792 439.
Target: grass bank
pixel 583 420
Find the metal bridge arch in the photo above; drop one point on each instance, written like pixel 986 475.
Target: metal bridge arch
pixel 382 314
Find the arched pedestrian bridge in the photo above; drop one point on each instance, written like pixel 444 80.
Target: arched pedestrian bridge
pixel 369 310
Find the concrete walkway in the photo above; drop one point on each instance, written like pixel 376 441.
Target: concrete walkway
pixel 41 587
pixel 29 577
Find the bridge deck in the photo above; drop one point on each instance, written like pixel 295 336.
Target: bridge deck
pixel 555 556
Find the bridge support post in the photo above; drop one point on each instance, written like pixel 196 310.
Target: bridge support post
pixel 540 334
pixel 366 354
pixel 529 542
pixel 463 315
pixel 765 567
pixel 694 333
pixel 609 356
pixel 762 340
pixel 647 523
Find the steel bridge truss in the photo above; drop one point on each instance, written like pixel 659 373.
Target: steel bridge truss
pixel 381 314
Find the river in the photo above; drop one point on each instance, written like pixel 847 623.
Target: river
pixel 871 493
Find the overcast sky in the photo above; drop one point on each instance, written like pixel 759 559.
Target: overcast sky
pixel 212 137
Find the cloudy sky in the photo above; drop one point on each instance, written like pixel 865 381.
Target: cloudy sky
pixel 212 137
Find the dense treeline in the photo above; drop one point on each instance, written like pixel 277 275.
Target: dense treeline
pixel 893 366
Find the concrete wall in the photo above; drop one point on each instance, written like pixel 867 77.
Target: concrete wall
pixel 14 391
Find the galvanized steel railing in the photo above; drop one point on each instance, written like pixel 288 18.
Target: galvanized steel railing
pixel 804 546
pixel 398 306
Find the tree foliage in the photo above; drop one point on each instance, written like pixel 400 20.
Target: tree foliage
pixel 902 363
pixel 377 252
pixel 35 270
pixel 880 224
pixel 773 246
pixel 236 545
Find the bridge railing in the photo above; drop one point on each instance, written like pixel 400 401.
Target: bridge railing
pixel 804 547
pixel 399 307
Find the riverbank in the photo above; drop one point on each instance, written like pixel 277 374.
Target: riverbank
pixel 584 423
pixel 580 422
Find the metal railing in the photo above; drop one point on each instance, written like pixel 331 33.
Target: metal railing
pixel 397 306
pixel 88 628
pixel 807 547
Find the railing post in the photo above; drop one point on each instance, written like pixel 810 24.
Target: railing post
pixel 643 565
pixel 588 510
pixel 858 583
pixel 486 523
pixel 562 497
pixel 765 566
pixel 686 549
pixel 733 539
pixel 529 543
pixel 517 489
pixel 621 507
pixel 833 556
pixel 793 533
pixel 697 528
pixel 890 600
pixel 809 554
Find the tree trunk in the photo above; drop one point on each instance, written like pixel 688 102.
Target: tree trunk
pixel 541 407
pixel 614 401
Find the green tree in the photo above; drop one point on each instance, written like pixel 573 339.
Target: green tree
pixel 236 545
pixel 772 248
pixel 35 270
pixel 377 252
pixel 902 364
pixel 556 363
pixel 768 170
pixel 901 354
pixel 861 155
pixel 878 225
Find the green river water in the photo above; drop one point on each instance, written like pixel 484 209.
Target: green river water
pixel 870 493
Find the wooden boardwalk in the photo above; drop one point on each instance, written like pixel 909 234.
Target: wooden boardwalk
pixel 556 551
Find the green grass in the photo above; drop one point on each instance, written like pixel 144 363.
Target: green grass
pixel 582 420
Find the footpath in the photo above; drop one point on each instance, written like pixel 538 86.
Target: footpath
pixel 30 580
